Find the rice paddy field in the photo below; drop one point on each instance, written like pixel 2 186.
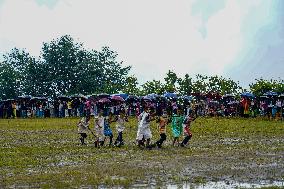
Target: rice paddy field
pixel 46 153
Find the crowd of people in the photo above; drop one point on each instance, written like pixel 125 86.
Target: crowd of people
pixel 170 109
pixel 211 104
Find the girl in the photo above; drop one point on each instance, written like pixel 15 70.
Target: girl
pixel 107 129
pixel 99 130
pixel 144 132
pixel 186 129
pixel 83 126
pixel 120 126
pixel 162 122
pixel 177 120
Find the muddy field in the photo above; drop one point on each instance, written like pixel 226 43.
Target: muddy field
pixel 44 153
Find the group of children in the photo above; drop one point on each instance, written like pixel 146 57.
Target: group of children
pixel 179 123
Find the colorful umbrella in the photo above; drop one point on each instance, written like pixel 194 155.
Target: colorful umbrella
pixel 270 93
pixel 104 100
pixel 122 95
pixel 170 95
pixel 247 94
pixel 117 98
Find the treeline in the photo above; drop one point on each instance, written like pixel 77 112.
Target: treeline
pixel 66 67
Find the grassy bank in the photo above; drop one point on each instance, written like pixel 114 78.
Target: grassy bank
pixel 46 153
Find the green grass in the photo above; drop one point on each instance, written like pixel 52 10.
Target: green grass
pixel 46 153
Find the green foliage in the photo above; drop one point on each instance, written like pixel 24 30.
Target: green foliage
pixel 131 86
pixel 171 80
pixel 262 86
pixel 154 86
pixel 64 67
pixel 9 81
pixel 185 85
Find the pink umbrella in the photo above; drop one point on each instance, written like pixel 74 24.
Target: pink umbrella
pixel 117 98
pixel 104 100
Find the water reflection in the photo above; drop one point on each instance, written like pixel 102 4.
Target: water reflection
pixel 228 185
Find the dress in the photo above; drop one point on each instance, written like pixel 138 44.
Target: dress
pixel 144 127
pixel 99 128
pixel 177 122
pixel 107 129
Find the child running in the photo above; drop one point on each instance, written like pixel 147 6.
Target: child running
pixel 107 129
pixel 186 129
pixel 120 126
pixel 144 132
pixel 162 122
pixel 99 129
pixel 83 126
pixel 177 120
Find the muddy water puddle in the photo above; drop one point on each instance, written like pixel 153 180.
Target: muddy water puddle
pixel 228 185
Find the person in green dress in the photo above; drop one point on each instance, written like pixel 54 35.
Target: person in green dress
pixel 177 121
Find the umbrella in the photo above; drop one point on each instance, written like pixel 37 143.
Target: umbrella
pixel 233 102
pixel 247 94
pixel 146 98
pixel 228 96
pixel 152 96
pixel 103 95
pixel 104 100
pixel 263 97
pixel 63 97
pixel 132 98
pixel 117 98
pixel 38 99
pixel 27 97
pixel 122 95
pixel 185 97
pixel 78 96
pixel 270 93
pixel 170 95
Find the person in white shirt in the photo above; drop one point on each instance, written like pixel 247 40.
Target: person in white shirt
pixel 83 126
pixel 144 132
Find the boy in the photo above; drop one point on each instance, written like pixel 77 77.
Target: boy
pixel 83 129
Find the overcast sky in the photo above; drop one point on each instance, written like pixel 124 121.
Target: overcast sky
pixel 240 39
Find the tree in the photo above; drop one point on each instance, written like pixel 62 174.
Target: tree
pixel 200 85
pixel 221 85
pixel 171 80
pixel 185 85
pixel 9 82
pixel 131 85
pixel 153 87
pixel 61 56
pixel 113 72
pixel 73 69
pixel 262 86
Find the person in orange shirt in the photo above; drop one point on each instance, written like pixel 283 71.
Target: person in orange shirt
pixel 162 123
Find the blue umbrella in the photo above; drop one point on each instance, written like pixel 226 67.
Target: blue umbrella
pixel 122 95
pixel 170 95
pixel 152 96
pixel 185 97
pixel 247 94
pixel 146 98
pixel 270 93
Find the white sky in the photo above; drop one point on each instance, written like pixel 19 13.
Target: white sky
pixel 225 37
